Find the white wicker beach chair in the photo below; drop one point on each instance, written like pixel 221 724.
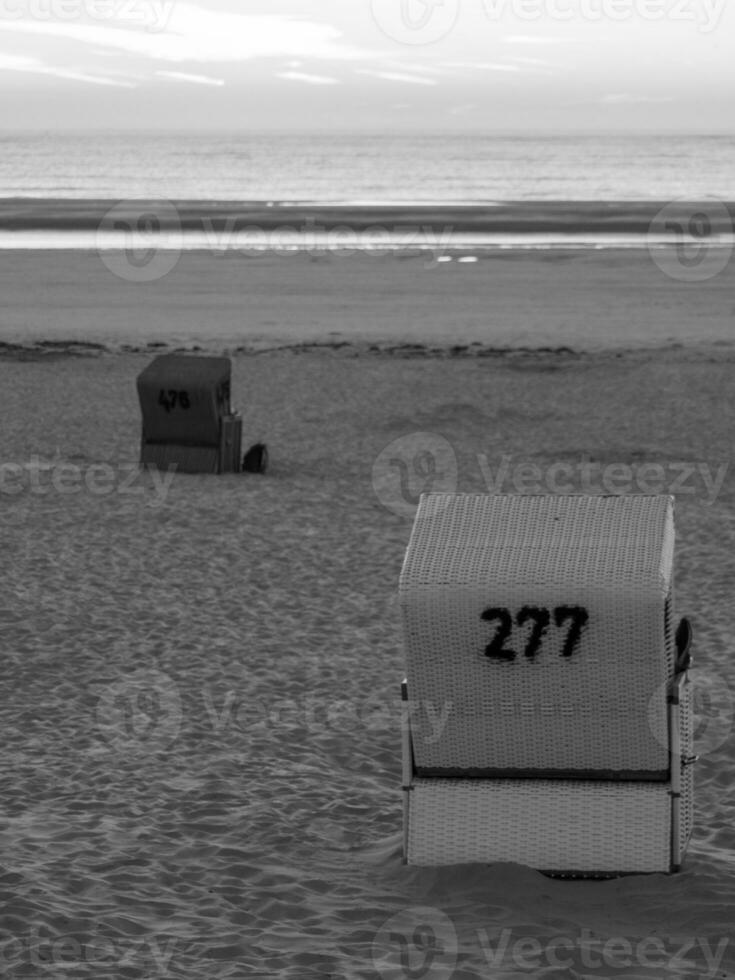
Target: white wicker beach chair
pixel 547 716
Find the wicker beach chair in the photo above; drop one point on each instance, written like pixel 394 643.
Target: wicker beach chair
pixel 547 715
pixel 187 421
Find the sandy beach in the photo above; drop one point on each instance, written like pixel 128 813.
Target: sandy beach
pixel 585 300
pixel 201 773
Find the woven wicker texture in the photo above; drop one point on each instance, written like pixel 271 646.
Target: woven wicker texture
pixel 553 825
pixel 601 709
pixel 183 397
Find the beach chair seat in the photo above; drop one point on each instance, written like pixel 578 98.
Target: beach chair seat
pixel 187 421
pixel 547 707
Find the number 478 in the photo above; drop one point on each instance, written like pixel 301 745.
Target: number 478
pixel 576 616
pixel 169 399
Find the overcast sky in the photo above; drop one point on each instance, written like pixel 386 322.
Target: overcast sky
pixel 368 64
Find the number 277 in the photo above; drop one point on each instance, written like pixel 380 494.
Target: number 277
pixel 575 616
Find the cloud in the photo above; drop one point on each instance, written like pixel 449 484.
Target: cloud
pixel 481 66
pixel 12 62
pixel 534 39
pixel 300 76
pixel 32 66
pixel 421 69
pixel 626 99
pixel 198 35
pixel 537 63
pixel 394 76
pixel 180 76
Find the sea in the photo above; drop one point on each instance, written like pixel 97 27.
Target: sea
pixel 287 170
pixel 368 167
